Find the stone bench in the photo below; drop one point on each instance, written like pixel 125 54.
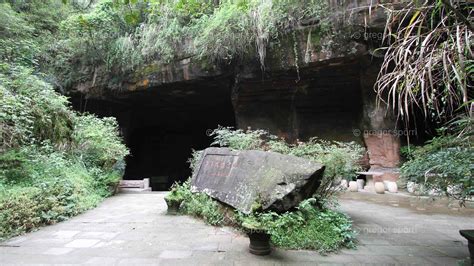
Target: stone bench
pixel 134 185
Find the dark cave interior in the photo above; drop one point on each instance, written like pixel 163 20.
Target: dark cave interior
pixel 161 127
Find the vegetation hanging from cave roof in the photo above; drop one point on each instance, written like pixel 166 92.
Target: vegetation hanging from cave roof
pixel 122 36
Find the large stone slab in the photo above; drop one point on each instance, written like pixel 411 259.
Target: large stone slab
pixel 245 179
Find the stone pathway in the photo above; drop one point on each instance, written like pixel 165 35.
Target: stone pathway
pixel 133 229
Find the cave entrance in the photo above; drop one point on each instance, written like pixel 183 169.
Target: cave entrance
pixel 162 126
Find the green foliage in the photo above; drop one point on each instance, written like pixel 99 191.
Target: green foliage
pixel 54 163
pixel 427 65
pixel 43 187
pixel 238 139
pixel 16 44
pixel 226 33
pixel 195 204
pixel 444 164
pixel 85 41
pixel 203 206
pixel 309 227
pixel 193 161
pixel 340 159
pixel 98 141
pixel 26 27
pixel 31 110
pixel 115 37
pixel 179 192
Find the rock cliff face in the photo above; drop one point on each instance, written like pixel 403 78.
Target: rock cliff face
pixel 311 85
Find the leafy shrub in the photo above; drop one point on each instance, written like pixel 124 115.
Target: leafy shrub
pixel 194 160
pixel 220 31
pixel 309 227
pixel 203 206
pixel 46 187
pixel 340 158
pixel 16 44
pixel 239 139
pixel 86 43
pixel 98 142
pixel 31 110
pixel 195 204
pixel 51 184
pixel 312 228
pixel 19 211
pixel 443 164
pixel 179 192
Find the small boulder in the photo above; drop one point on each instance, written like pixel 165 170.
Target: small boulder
pixel 379 187
pixel 353 186
pixel 392 187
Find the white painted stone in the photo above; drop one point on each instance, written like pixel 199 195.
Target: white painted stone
pixel 385 184
pixel 360 184
pixel 353 186
pixel 344 183
pixel 379 187
pixel 392 187
pixel 411 187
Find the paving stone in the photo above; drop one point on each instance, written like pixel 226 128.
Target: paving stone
pixel 57 251
pixel 138 261
pixel 207 247
pixel 102 261
pixel 65 234
pixel 82 243
pixel 175 254
pixel 98 235
pixel 45 242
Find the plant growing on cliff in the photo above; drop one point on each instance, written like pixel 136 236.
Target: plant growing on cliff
pixel 428 63
pixel 111 38
pixel 428 69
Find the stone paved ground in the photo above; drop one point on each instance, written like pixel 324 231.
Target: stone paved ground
pixel 133 229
